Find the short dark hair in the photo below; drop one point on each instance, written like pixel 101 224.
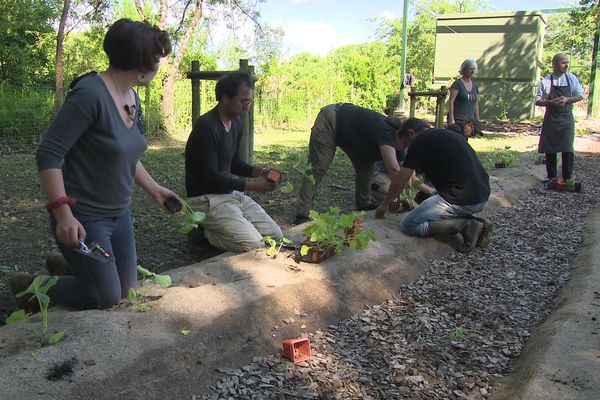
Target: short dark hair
pixel 229 85
pixel 133 45
pixel 414 124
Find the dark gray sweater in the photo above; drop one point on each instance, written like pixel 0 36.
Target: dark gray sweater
pixel 96 151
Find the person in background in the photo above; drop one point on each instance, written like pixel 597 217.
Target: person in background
pixel 89 160
pixel 462 185
pixel 463 105
pixel 233 221
pixel 557 92
pixel 366 136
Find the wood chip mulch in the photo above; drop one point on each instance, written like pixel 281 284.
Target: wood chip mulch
pixel 452 333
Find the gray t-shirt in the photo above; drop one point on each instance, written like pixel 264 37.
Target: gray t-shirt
pixel 97 152
pixel 465 102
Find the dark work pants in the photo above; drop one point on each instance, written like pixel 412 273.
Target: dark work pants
pixel 568 159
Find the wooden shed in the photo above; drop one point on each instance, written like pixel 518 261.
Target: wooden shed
pixel 508 50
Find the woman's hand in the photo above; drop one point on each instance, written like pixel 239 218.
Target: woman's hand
pixel 69 230
pixel 160 194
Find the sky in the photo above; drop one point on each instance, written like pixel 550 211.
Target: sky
pixel 319 26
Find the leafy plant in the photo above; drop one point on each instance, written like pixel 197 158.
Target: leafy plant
pixel 38 291
pixel 149 278
pixel 190 220
pixel 328 230
pixel 459 333
pixel 274 247
pixel 299 163
pixel 411 190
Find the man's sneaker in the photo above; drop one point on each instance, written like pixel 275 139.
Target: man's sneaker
pixel 300 219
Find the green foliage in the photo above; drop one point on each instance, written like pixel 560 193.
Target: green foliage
pixel 149 278
pixel 38 291
pixel 459 333
pixel 274 247
pixel 573 34
pixel 26 34
pixel 329 229
pixel 190 219
pixel 410 190
pixel 299 164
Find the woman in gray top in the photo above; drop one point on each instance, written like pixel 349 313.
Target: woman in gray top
pixel 463 105
pixel 89 160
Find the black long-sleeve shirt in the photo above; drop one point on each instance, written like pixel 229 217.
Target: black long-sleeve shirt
pixel 212 156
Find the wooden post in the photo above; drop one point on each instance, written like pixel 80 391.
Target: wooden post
pixel 195 93
pixel 251 123
pixel 412 103
pixel 439 107
pixel 246 141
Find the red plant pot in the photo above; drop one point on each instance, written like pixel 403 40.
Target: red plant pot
pixel 274 176
pixel 296 350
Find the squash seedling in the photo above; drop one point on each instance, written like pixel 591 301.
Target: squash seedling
pixel 38 291
pixel 299 163
pixel 331 230
pixel 190 219
pixel 149 278
pixel 274 247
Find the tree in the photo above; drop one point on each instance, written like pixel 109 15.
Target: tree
pixel 25 30
pixel 181 18
pixel 58 61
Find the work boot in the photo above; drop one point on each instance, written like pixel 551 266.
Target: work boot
pixel 471 234
pixel 484 237
pixel 57 265
pixel 19 282
pixel 469 229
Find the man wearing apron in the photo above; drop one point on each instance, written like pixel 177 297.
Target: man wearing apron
pixel 557 92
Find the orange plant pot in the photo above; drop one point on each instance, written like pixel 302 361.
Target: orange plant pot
pixel 274 176
pixel 296 350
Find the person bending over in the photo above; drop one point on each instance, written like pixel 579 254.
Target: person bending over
pixel 462 187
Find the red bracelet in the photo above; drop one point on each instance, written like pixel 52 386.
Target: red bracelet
pixel 51 205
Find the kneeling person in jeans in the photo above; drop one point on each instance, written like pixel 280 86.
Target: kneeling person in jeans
pixel 233 220
pixel 461 181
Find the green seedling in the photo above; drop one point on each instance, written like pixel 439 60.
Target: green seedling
pixel 274 247
pixel 190 220
pixel 149 278
pixel 459 333
pixel 299 163
pixel 410 190
pixel 38 291
pixel 328 230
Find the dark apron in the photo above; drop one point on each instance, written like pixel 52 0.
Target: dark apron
pixel 558 128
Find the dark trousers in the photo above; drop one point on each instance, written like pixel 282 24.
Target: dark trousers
pixel 568 159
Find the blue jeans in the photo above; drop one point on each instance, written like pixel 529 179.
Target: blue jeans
pixel 96 284
pixel 416 222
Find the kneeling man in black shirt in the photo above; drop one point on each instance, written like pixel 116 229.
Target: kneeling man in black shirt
pixel 462 184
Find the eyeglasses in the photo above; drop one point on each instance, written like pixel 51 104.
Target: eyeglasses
pixel 245 102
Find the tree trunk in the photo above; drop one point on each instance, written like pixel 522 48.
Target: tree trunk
pixel 168 92
pixel 58 63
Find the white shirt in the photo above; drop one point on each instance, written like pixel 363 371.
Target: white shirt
pixel 543 90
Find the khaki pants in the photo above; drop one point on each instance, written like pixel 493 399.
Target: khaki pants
pixel 321 150
pixel 234 222
pixel 383 181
